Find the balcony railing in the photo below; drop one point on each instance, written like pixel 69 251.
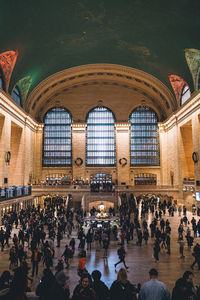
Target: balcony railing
pixel 7 193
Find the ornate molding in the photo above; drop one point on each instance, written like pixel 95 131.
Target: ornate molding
pixel 102 74
pixel 79 126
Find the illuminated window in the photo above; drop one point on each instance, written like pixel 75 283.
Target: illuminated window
pixel 185 94
pixel 16 95
pixel 145 179
pixel 100 146
pixel 144 137
pixel 57 138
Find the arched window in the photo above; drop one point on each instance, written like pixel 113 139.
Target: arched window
pixel 185 94
pixel 1 81
pixel 57 149
pixel 100 146
pixel 144 137
pixel 16 95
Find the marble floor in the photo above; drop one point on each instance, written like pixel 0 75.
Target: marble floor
pixel 139 260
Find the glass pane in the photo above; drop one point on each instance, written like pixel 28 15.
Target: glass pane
pixel 185 95
pixel 101 148
pixel 16 95
pixel 144 142
pixel 1 82
pixel 57 138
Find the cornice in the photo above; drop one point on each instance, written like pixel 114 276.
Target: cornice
pixel 102 74
pixel 183 113
pixel 10 107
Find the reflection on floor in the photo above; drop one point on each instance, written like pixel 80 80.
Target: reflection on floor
pixel 139 260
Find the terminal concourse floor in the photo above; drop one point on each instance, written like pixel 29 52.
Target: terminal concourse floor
pixel 139 259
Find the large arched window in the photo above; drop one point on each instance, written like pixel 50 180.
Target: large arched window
pixel 57 138
pixel 144 137
pixel 185 94
pixel 100 146
pixel 16 95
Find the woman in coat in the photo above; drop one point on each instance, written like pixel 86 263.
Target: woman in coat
pixel 122 289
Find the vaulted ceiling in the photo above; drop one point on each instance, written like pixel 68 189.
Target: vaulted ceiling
pixel 51 36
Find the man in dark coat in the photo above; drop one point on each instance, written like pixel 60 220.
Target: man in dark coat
pixel 101 290
pixel 121 253
pixel 60 289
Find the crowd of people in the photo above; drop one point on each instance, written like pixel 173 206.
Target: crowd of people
pixel 32 233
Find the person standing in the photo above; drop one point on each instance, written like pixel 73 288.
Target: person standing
pixel 154 289
pixel 35 258
pixel 121 253
pixel 43 288
pixel 84 289
pixel 89 238
pixel 105 246
pixel 101 290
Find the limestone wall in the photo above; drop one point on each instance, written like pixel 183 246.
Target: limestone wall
pixel 18 132
pixel 179 137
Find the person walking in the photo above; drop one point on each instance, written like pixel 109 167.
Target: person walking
pixel 156 250
pixel 121 253
pixel 181 248
pixel 154 289
pixel 196 254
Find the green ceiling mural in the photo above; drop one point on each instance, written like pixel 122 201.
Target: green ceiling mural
pixel 54 35
pixel 24 85
pixel 193 60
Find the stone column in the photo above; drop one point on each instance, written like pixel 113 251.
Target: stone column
pixel 196 146
pixel 123 151
pixel 78 150
pixel 37 166
pixel 163 151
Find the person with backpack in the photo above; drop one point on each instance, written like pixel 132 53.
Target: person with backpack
pixel 122 289
pixel 121 253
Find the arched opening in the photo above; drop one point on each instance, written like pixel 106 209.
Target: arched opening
pixel 57 148
pixel 100 144
pixel 144 140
